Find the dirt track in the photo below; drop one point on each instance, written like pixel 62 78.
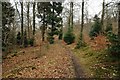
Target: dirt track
pixel 42 61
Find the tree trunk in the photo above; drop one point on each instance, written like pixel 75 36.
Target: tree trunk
pixel 71 15
pixel 34 18
pixel 82 23
pixel 28 20
pixel 68 21
pixel 1 27
pixel 52 30
pixel 119 20
pixel 22 39
pixel 102 16
pixel 43 27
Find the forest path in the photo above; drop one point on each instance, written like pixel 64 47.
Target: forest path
pixel 79 71
pixel 42 61
pixel 45 61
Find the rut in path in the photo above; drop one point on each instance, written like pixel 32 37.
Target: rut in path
pixel 75 61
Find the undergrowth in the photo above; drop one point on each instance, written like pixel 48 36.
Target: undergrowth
pixel 98 64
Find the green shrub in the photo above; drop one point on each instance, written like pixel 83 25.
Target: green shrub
pixel 114 46
pixel 69 37
pixel 80 43
pixel 96 27
pixel 31 41
pixel 108 28
pixel 113 38
pixel 50 39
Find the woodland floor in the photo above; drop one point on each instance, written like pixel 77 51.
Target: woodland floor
pixel 59 60
pixel 42 61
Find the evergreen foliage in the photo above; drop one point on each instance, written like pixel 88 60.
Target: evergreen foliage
pixel 31 41
pixel 69 37
pixel 50 14
pixel 96 27
pixel 114 46
pixel 80 43
pixel 8 13
pixel 50 38
pixel 54 19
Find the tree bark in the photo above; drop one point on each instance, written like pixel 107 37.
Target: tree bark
pixel 119 20
pixel 82 23
pixel 43 27
pixel 71 15
pixel 28 20
pixel 34 18
pixel 22 39
pixel 52 30
pixel 102 16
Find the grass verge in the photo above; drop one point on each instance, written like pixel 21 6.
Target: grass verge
pixel 97 64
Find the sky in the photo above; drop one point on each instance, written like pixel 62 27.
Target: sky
pixel 94 6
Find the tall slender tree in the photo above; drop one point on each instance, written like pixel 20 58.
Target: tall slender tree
pixel 81 42
pixel 119 20
pixel 102 16
pixel 82 23
pixel 22 36
pixel 71 15
pixel 28 7
pixel 34 3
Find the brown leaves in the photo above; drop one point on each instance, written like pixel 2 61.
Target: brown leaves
pixel 56 63
pixel 99 42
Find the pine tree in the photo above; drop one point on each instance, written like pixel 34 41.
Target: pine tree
pixel 96 27
pixel 8 13
pixel 43 8
pixel 55 18
pixel 69 37
pixel 50 14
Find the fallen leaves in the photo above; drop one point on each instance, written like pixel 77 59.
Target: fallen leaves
pixel 99 42
pixel 56 63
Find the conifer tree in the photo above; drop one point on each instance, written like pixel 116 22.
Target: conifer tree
pixel 8 13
